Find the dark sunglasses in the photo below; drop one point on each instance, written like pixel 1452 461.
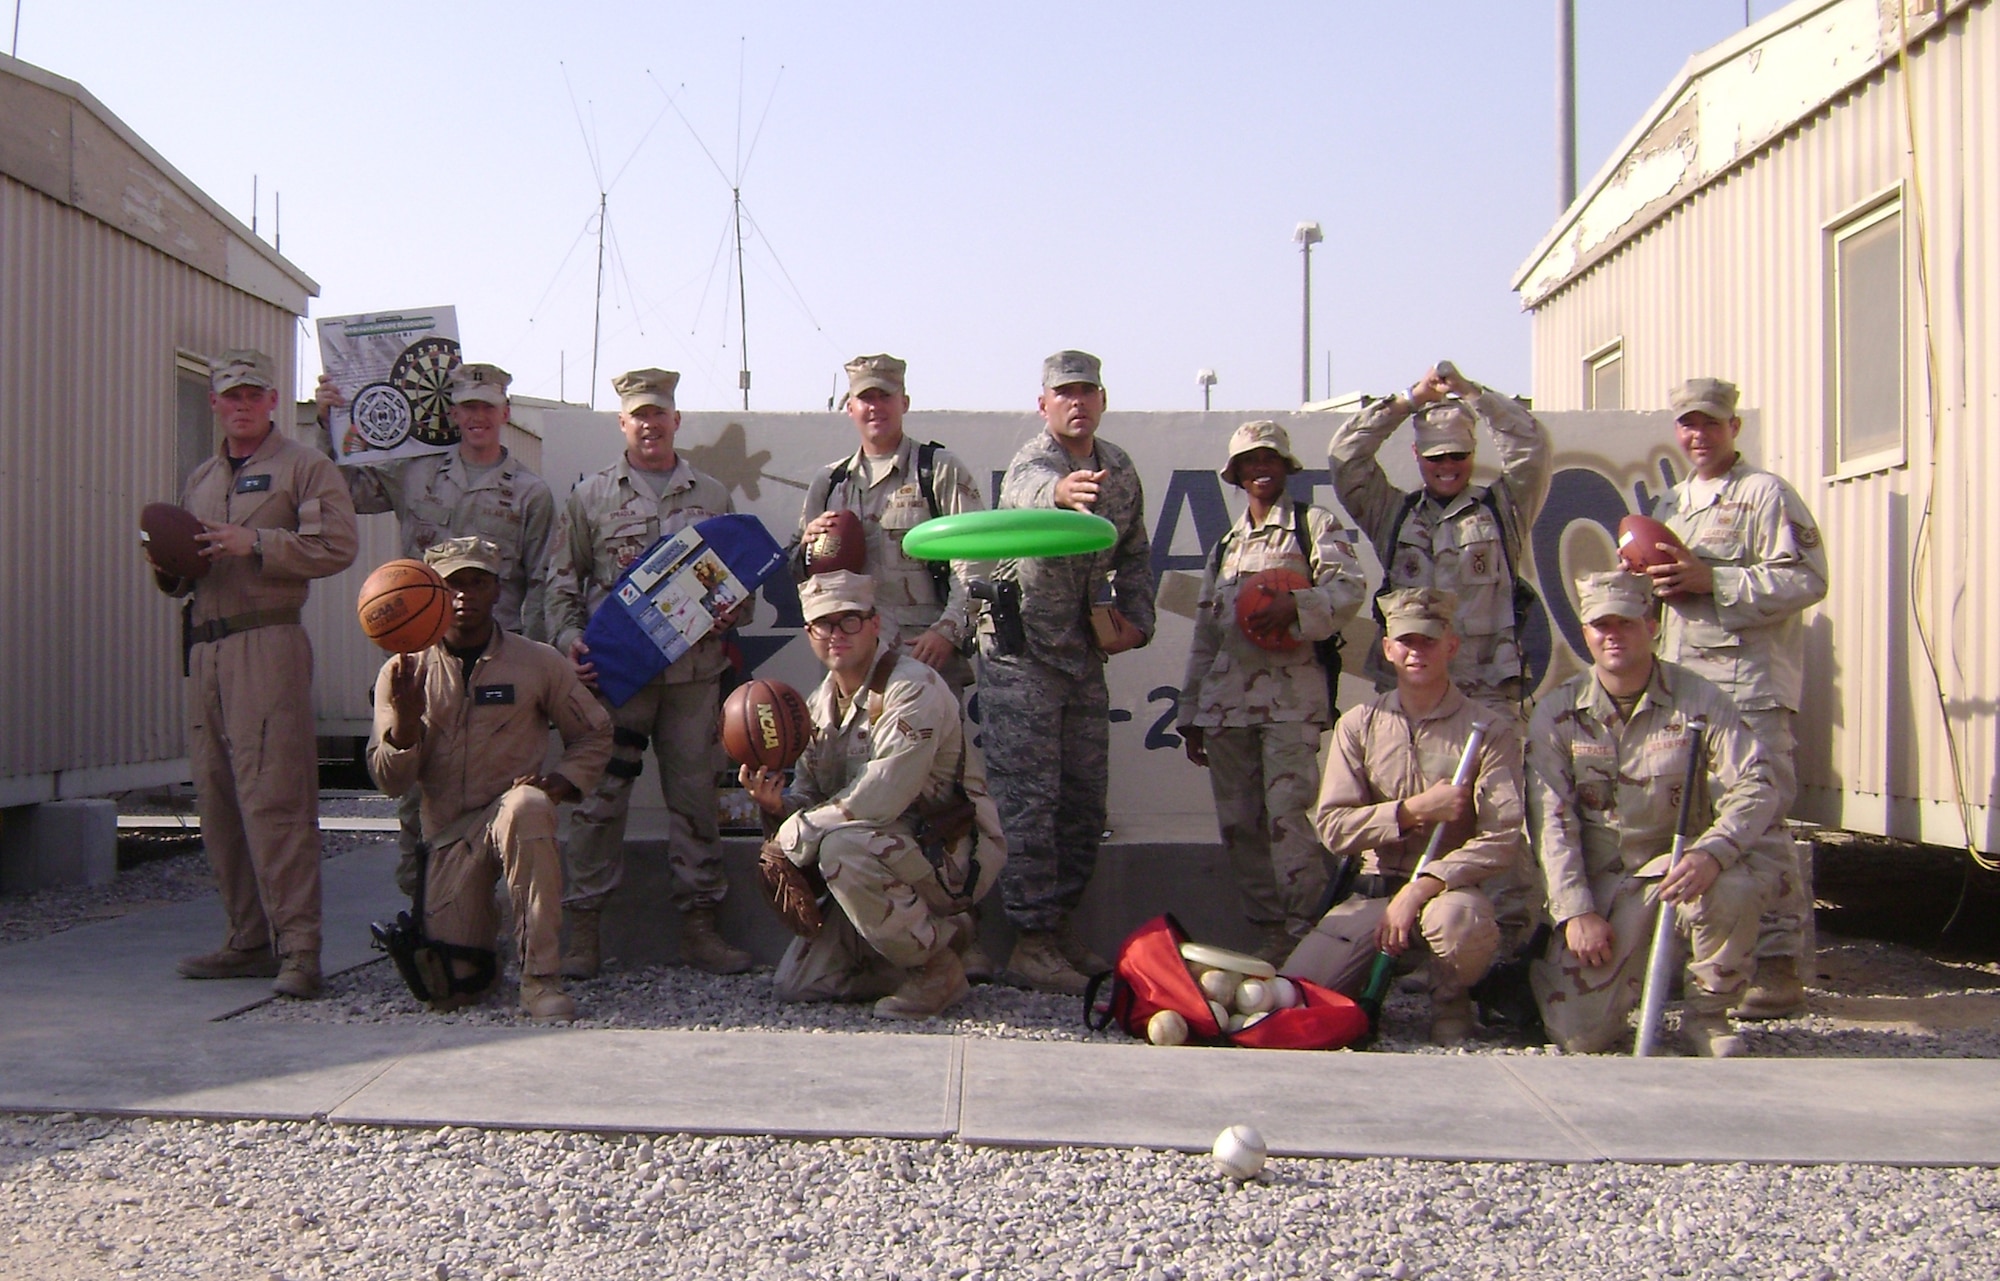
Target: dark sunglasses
pixel 1446 458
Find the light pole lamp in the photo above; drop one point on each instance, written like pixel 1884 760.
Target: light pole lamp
pixel 1306 235
pixel 1206 377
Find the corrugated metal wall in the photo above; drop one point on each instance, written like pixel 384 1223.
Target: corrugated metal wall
pixel 1731 283
pixel 90 320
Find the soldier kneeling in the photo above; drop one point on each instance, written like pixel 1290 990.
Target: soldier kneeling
pixel 889 806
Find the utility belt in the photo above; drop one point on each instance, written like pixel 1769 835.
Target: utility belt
pixel 1379 884
pixel 193 634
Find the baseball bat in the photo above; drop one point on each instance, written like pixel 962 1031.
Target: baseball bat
pixel 1659 966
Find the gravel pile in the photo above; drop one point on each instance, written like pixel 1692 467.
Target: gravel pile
pixel 89 1197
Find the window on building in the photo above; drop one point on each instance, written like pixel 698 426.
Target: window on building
pixel 1864 340
pixel 1604 377
pixel 194 423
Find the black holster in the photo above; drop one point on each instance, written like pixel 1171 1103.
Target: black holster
pixel 425 963
pixel 939 825
pixel 1003 602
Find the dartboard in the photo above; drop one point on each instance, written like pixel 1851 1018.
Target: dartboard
pixel 420 374
pixel 382 415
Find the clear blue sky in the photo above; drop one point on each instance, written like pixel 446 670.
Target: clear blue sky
pixel 967 187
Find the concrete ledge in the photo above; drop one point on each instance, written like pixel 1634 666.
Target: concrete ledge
pixel 58 844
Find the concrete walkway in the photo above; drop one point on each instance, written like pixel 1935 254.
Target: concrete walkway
pixel 95 1020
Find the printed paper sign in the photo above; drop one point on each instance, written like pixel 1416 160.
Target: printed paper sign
pixel 391 367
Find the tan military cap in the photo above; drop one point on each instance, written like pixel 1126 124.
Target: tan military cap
pixel 1618 593
pixel 472 552
pixel 1417 611
pixel 1066 367
pixel 478 382
pixel 1444 429
pixel 837 591
pixel 646 387
pixel 242 368
pixel 883 371
pixel 1262 434
pixel 1710 396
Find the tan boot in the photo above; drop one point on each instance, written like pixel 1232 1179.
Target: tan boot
pixel 229 963
pixel 581 960
pixel 928 992
pixel 1776 992
pixel 1451 1019
pixel 298 976
pixel 703 946
pixel 543 999
pixel 1077 952
pixel 1039 964
pixel 1710 1036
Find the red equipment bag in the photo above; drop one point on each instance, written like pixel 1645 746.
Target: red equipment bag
pixel 1151 976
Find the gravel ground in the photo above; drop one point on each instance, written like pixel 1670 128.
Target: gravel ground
pixel 86 1197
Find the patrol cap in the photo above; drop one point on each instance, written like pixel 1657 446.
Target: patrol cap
pixel 880 371
pixel 1417 611
pixel 1066 367
pixel 837 591
pixel 478 382
pixel 1444 429
pixel 1711 396
pixel 1262 434
pixel 645 387
pixel 241 368
pixel 1618 593
pixel 470 552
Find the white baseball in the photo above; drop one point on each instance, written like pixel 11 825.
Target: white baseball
pixel 1219 985
pixel 1286 992
pixel 1167 1027
pixel 1235 1023
pixel 1239 1152
pixel 1255 996
pixel 1221 1014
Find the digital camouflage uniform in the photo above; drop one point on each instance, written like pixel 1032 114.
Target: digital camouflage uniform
pixel 1046 712
pixel 1454 546
pixel 1604 795
pixel 610 520
pixel 1747 637
pixel 251 735
pixel 1261 712
pixel 1380 756
pixel 850 810
pixel 481 731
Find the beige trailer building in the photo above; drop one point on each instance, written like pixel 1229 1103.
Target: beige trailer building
pixel 1812 210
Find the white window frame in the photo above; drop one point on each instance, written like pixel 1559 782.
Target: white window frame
pixel 1865 216
pixel 1596 360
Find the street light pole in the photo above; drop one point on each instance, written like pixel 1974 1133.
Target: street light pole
pixel 1306 235
pixel 1206 377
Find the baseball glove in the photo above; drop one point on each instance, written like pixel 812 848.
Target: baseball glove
pixel 790 891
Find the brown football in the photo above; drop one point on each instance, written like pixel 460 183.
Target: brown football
pixel 404 606
pixel 1258 591
pixel 765 724
pixel 845 546
pixel 168 532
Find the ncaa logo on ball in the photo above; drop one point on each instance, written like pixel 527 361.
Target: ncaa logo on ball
pixel 767 725
pixel 386 609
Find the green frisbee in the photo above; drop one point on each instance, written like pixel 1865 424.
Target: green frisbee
pixel 1015 533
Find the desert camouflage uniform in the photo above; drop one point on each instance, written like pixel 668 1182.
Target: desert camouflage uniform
pixel 851 806
pixel 1764 549
pixel 1381 756
pixel 1261 712
pixel 905 595
pixel 481 731
pixel 1604 797
pixel 610 520
pixel 1453 546
pixel 1046 712
pixel 251 744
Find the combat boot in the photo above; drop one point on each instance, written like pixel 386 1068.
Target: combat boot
pixel 1039 964
pixel 580 960
pixel 1710 1036
pixel 298 976
pixel 704 948
pixel 1776 992
pixel 229 963
pixel 928 992
pixel 1077 952
pixel 1451 1019
pixel 543 999
pixel 972 957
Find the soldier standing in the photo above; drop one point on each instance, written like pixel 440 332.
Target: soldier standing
pixel 476 488
pixel 1754 563
pixel 610 520
pixel 1044 703
pixel 1607 758
pixel 1253 714
pixel 464 725
pixel 889 749
pixel 276 516
pixel 1452 535
pixel 1388 783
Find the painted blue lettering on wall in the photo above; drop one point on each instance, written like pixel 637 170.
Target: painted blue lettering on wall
pixel 1575 494
pixel 1161 736
pixel 1200 491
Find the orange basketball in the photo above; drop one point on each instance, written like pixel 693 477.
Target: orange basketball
pixel 765 724
pixel 1256 592
pixel 404 606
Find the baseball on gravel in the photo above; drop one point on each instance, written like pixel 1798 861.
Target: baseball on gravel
pixel 1239 1152
pixel 1167 1027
